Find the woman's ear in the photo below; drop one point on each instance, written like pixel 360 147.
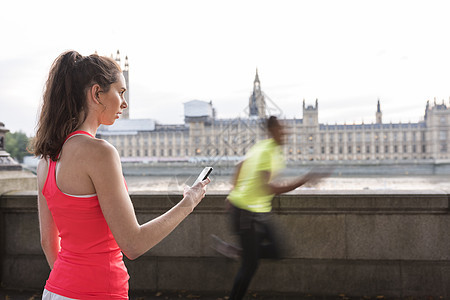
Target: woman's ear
pixel 94 93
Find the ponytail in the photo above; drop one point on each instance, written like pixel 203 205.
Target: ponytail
pixel 64 106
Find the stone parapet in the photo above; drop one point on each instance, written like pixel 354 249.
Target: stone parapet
pixel 16 180
pixel 363 243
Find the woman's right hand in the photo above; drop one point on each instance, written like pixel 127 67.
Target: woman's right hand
pixel 193 195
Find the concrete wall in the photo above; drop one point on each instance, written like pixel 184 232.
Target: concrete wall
pixel 363 243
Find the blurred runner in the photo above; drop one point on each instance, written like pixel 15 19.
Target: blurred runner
pixel 250 204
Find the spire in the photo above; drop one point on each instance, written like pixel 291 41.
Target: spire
pixel 118 57
pixel 126 63
pixel 379 115
pixel 256 84
pixel 256 76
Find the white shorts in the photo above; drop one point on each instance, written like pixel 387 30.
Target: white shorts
pixel 47 295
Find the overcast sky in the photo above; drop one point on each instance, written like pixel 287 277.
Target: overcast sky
pixel 347 54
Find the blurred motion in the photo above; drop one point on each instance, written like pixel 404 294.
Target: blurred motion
pixel 250 205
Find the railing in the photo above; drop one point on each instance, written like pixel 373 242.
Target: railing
pixel 363 243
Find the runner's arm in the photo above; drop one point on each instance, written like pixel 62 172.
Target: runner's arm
pixel 280 188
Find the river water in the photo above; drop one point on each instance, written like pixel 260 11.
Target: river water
pixel 221 183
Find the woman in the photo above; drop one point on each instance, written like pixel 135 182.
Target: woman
pixel 86 216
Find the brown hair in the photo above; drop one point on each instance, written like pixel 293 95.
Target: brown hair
pixel 272 122
pixel 64 106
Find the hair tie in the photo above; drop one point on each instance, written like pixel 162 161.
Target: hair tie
pixel 78 58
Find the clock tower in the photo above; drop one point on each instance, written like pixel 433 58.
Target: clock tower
pixel 256 102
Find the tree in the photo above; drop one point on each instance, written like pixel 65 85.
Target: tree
pixel 16 144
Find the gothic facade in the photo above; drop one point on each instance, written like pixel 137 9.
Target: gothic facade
pixel 204 137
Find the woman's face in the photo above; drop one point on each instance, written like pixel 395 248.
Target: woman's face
pixel 113 101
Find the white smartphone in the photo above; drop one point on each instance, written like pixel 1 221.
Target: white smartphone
pixel 203 175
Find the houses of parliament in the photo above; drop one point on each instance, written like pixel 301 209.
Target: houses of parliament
pixel 203 137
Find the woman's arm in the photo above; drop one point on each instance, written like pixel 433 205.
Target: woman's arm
pixel 105 171
pixel 49 233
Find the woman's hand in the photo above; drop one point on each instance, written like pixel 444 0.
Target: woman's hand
pixel 193 195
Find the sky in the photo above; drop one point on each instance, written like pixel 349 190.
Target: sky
pixel 346 54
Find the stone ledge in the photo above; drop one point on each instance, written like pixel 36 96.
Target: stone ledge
pixel 11 181
pixel 311 202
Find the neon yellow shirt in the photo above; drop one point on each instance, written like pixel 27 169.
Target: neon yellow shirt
pixel 249 193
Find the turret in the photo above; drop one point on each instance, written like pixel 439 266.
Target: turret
pixel 311 114
pixel 126 63
pixel 379 115
pixel 118 57
pixel 426 110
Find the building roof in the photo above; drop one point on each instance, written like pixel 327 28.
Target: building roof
pixel 440 106
pixel 197 108
pixel 127 126
pixel 372 126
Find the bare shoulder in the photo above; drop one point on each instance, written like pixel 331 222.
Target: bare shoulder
pixel 41 171
pixel 103 159
pixel 99 144
pixel 42 166
pixel 97 152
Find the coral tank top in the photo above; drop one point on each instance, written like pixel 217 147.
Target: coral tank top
pixel 89 264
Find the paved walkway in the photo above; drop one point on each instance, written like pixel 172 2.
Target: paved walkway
pixel 184 295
